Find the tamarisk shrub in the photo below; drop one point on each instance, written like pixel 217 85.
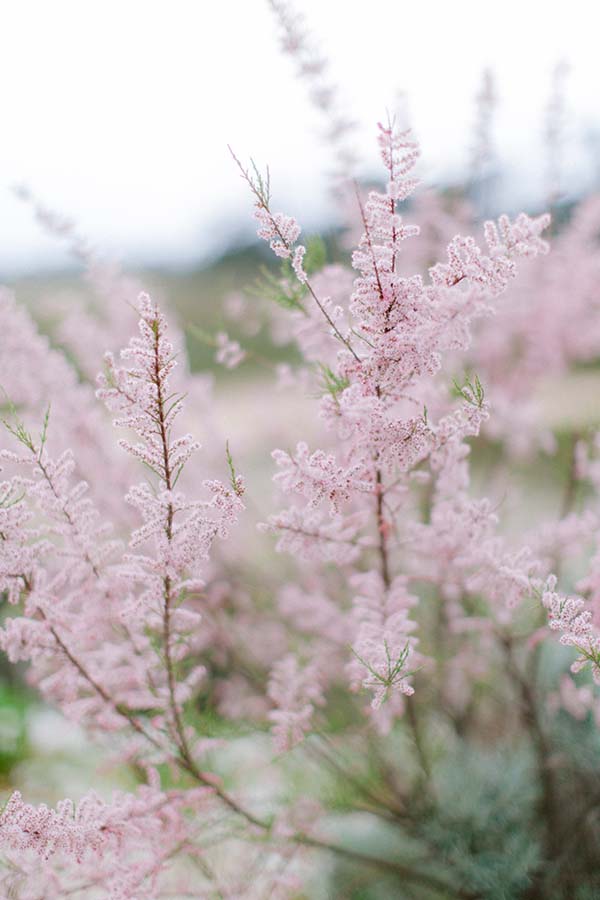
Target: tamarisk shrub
pixel 383 709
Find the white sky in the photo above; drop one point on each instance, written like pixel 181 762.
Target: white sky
pixel 117 112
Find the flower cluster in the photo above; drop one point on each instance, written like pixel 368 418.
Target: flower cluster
pixel 384 646
pixel 573 620
pixel 393 601
pixel 294 691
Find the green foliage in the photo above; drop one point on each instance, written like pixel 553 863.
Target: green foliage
pixel 205 337
pixel 470 391
pixel 484 822
pixel 261 183
pixel 13 727
pixel 236 483
pixel 17 428
pixel 330 382
pixel 394 670
pixel 316 255
pixel 283 289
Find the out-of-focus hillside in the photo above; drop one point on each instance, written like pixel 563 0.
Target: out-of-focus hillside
pixel 197 296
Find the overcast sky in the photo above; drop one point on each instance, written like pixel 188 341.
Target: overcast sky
pixel 118 112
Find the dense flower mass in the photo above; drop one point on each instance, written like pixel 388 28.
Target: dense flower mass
pixel 359 647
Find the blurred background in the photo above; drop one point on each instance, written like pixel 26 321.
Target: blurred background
pixel 119 114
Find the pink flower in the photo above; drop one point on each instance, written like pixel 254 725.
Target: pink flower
pixel 295 691
pixel 229 353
